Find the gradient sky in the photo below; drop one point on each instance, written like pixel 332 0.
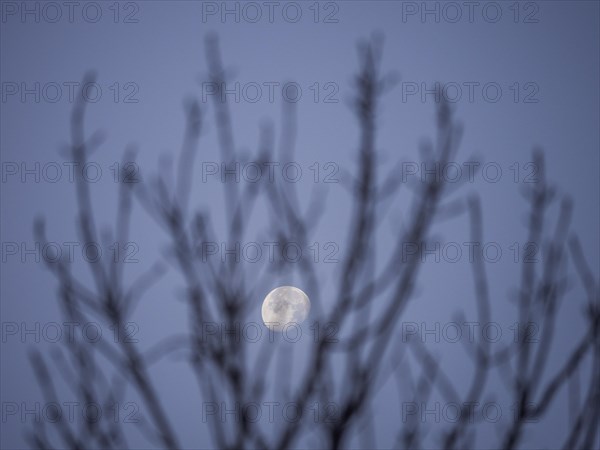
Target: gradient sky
pixel 547 70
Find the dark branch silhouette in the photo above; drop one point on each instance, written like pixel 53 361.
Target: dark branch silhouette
pixel 346 372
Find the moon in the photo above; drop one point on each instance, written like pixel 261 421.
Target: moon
pixel 284 305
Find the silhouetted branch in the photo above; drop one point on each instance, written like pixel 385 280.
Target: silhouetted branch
pixel 368 303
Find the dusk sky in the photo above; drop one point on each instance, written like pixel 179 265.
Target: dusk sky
pixel 518 76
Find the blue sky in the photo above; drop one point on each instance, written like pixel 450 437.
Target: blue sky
pixel 543 58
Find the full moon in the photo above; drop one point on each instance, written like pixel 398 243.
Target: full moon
pixel 284 305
